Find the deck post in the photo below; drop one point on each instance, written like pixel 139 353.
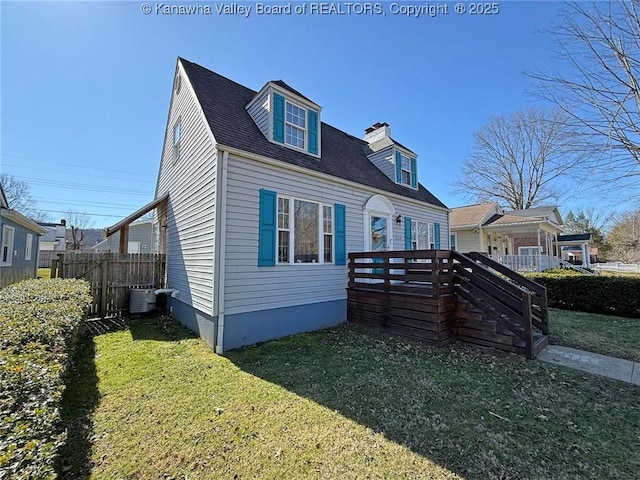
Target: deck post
pixel 526 321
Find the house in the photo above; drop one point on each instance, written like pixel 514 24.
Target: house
pixel 54 237
pixel 19 243
pixel 524 239
pixel 260 202
pixel 573 248
pixel 142 239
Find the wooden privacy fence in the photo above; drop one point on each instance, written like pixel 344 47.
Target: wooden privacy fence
pixel 111 276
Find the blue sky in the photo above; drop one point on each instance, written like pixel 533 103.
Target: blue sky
pixel 86 86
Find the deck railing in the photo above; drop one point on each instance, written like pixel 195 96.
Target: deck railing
pixel 416 293
pixel 527 263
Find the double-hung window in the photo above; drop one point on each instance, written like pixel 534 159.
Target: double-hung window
pixel 422 237
pixel 295 125
pixel 305 231
pixel 406 170
pixel 6 253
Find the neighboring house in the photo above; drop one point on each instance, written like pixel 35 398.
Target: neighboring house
pixel 530 234
pixel 54 237
pixel 574 248
pixel 19 242
pixel 264 201
pixel 142 239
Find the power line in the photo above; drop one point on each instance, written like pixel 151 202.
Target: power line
pixel 85 213
pixel 75 165
pixel 126 177
pixel 81 186
pixel 118 206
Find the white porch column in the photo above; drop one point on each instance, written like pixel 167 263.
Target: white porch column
pixel 585 255
pixel 539 251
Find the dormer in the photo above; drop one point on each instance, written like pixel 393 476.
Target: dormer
pixel 394 159
pixel 286 117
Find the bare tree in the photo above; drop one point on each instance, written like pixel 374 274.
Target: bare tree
pixel 516 159
pixel 601 90
pixel 77 223
pixel 20 198
pixel 624 238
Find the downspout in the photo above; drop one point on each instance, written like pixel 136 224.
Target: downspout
pixel 220 258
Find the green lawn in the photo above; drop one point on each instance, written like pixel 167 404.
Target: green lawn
pixel 44 273
pixel 606 334
pixel 151 401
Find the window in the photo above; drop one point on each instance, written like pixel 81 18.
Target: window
pixel 327 227
pixel 422 236
pixel 283 230
pixel 6 255
pixel 308 228
pixel 529 250
pixel 295 125
pixel 28 247
pixel 177 84
pixel 176 141
pixel 406 170
pixel 454 241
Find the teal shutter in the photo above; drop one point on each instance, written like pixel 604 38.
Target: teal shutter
pixel 313 131
pixel 278 118
pixel 414 173
pixel 407 233
pixel 267 230
pixel 341 235
pixel 398 167
pixel 436 234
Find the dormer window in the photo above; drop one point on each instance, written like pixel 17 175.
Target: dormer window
pixel 406 170
pixel 295 125
pixel 286 117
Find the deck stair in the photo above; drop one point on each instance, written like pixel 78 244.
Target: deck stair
pixel 440 296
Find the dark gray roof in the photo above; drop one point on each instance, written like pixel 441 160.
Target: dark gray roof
pixel 574 237
pixel 281 84
pixel 343 156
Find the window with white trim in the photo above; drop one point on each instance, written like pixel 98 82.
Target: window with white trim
pixel 28 247
pixel 422 236
pixel 327 227
pixel 305 231
pixel 295 125
pixel 405 165
pixel 529 250
pixel 454 241
pixel 6 253
pixel 176 140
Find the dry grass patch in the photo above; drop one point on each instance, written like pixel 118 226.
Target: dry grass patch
pixel 341 403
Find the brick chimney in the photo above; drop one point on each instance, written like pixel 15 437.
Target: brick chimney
pixel 377 131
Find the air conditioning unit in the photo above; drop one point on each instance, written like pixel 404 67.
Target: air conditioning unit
pixel 141 300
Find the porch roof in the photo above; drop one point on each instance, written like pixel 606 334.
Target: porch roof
pixel 125 222
pixel 518 224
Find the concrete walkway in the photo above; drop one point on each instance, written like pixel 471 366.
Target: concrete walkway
pixel 611 367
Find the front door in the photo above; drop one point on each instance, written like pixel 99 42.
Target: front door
pixel 379 239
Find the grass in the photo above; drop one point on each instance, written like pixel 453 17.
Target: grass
pixel 44 273
pixel 151 401
pixel 606 334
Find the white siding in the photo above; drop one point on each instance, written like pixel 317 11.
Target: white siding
pixel 469 241
pixel 384 161
pixel 250 288
pixel 259 111
pixel 191 183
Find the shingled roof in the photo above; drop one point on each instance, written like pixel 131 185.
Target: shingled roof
pixel 344 156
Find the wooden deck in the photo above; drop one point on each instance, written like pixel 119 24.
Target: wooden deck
pixel 440 296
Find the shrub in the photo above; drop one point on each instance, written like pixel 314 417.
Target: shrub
pixel 591 293
pixel 40 323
